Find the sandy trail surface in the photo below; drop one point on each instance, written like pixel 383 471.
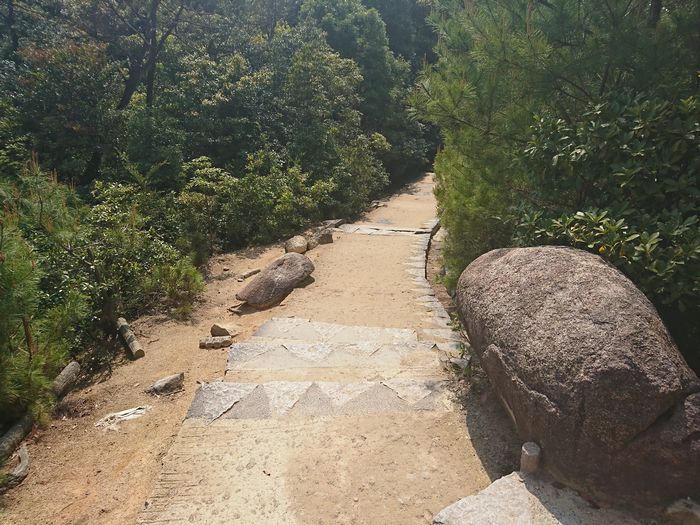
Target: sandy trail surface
pixel 326 437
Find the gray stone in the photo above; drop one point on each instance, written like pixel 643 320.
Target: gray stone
pixel 585 367
pixel 312 242
pixel 298 329
pixel 296 244
pixel 167 385
pixel 333 223
pixel 276 281
pixel 216 342
pixel 278 398
pixel 460 363
pixel 684 512
pixel 325 236
pixel 527 500
pixel 218 330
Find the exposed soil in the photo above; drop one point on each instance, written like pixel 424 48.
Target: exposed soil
pixel 81 474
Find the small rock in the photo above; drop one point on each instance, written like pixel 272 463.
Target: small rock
pixel 325 237
pixel 218 330
pixel 297 244
pixel 216 342
pixel 312 242
pixel 249 273
pixel 167 385
pixel 333 223
pixel 226 269
pixel 460 363
pixel 684 512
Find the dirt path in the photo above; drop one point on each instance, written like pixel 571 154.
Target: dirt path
pixel 329 424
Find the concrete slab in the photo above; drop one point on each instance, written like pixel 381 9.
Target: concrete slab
pixel 314 331
pixel 525 499
pixel 288 355
pixel 276 399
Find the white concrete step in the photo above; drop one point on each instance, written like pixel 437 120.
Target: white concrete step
pixel 296 329
pixel 527 499
pixel 300 360
pixel 278 399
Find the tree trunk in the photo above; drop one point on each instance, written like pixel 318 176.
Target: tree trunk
pixel 12 32
pixel 654 13
pixel 134 78
pixel 152 52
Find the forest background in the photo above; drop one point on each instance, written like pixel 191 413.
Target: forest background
pixel 139 137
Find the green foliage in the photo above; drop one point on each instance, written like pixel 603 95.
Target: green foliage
pixel 170 130
pixel 36 330
pixel 359 33
pixel 610 163
pixel 636 160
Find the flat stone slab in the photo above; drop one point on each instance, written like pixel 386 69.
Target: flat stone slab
pixel 375 469
pixel 527 500
pixel 382 229
pixel 318 398
pixel 295 329
pixel 216 342
pixel 285 355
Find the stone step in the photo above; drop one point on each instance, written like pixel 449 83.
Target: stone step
pixel 527 499
pixel 295 360
pixel 388 468
pixel 296 329
pixel 278 399
pixel 382 229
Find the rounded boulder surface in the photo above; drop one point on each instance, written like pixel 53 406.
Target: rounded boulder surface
pixel 276 281
pixel 586 368
pixel 297 244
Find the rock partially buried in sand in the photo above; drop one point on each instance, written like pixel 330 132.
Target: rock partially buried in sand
pixel 324 237
pixel 167 385
pixel 219 330
pixel 216 342
pixel 297 244
pixel 585 367
pixel 276 281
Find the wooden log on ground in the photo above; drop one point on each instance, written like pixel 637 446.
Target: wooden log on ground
pixel 20 472
pixel 66 379
pixel 134 348
pixel 13 437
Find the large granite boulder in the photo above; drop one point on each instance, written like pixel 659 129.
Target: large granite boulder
pixel 585 367
pixel 276 281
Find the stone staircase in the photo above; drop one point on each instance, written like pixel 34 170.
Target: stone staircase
pixel 299 385
pixel 325 423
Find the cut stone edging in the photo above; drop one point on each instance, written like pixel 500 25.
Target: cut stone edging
pixel 527 499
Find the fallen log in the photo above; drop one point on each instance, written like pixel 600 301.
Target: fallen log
pixel 66 378
pixel 134 348
pixel 13 437
pixel 20 472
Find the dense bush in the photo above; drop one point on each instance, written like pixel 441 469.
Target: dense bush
pixel 610 161
pixel 624 182
pixel 169 130
pixel 66 272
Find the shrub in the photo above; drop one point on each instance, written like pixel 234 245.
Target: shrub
pixel 623 181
